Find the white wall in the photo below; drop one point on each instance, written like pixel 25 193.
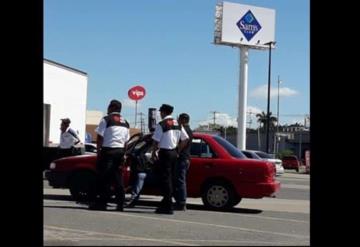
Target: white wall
pixel 66 91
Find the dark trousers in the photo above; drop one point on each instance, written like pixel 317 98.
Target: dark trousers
pixel 109 167
pixel 180 180
pixel 167 160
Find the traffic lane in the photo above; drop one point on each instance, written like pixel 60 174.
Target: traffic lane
pixel 266 207
pixel 193 226
pixel 294 186
pixel 294 181
pixel 246 205
pixel 242 222
pixel 293 194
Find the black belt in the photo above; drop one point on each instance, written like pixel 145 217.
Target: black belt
pixel 109 148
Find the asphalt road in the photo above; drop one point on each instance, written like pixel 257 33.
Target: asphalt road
pixel 283 220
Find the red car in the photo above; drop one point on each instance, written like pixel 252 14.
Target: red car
pixel 291 162
pixel 219 173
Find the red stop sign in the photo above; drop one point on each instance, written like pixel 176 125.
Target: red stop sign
pixel 136 93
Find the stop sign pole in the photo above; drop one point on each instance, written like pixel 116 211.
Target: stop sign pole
pixel 136 102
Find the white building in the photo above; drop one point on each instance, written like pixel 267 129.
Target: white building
pixel 65 96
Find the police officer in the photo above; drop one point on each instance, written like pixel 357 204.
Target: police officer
pixel 182 166
pixel 166 138
pixel 113 133
pixel 68 139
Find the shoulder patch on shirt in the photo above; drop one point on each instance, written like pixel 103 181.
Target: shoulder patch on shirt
pixel 169 124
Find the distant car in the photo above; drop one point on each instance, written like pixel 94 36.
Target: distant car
pixel 291 162
pixel 255 154
pixel 219 173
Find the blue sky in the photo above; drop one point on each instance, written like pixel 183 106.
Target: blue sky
pixel 167 47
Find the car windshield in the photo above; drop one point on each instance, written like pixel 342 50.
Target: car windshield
pixel 264 155
pixel 230 148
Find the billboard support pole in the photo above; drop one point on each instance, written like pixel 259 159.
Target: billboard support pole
pixel 243 82
pixel 135 112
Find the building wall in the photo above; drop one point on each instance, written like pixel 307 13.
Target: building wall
pixel 66 91
pixel 93 117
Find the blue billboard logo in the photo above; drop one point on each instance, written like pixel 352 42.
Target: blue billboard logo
pixel 248 25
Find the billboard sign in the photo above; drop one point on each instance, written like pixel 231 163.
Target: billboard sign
pixel 136 93
pixel 240 24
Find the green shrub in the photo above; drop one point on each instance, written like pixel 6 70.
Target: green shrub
pixel 285 152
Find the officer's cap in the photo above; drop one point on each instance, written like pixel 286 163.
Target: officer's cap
pixel 65 120
pixel 166 108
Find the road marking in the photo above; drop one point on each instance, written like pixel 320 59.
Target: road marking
pixel 268 218
pixel 295 186
pixel 240 241
pixel 118 237
pixel 264 204
pixel 209 224
pixel 127 237
pixel 215 212
pixel 293 180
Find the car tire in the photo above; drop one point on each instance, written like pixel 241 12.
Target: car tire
pixel 80 184
pixel 218 195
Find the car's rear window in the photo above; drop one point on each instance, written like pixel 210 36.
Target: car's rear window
pixel 230 148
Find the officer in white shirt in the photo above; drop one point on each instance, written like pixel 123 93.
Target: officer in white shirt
pixel 113 133
pixel 169 138
pixel 68 139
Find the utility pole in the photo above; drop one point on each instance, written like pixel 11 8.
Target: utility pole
pixel 268 98
pixel 250 118
pixel 214 118
pixel 276 150
pixel 142 122
pixel 300 144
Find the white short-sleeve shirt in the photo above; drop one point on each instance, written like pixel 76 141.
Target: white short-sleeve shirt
pixel 170 138
pixel 116 133
pixel 68 140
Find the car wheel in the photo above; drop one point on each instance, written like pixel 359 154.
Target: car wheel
pixel 219 196
pixel 80 184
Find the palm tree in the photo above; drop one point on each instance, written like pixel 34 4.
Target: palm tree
pixel 262 119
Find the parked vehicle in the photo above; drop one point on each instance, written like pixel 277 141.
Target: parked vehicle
pixel 219 173
pixel 254 154
pixel 90 147
pixel 291 162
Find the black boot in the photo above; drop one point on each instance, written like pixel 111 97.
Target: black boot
pixel 120 207
pixel 180 207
